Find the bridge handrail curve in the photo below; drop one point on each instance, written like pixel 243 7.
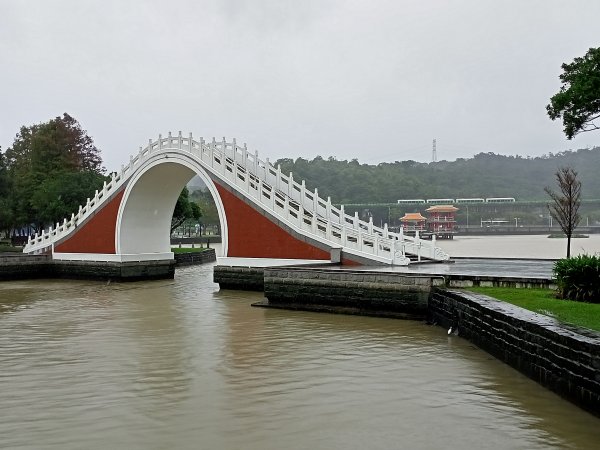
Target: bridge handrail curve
pixel 237 163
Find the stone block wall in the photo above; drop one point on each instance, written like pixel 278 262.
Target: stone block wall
pixel 191 258
pixel 42 266
pixel 243 278
pixel 353 292
pixel 562 359
pixel 19 267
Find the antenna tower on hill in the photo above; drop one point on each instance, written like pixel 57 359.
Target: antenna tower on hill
pixel 434 153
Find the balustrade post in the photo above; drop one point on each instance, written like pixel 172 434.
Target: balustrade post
pixel 385 230
pixel 234 147
pixel 179 141
pixel 342 216
pixel 370 225
pixel 260 188
pixel 291 184
pixel 278 183
pixel 328 209
pixel 191 142
pixel 316 201
pixel 160 146
pixel 267 172
pixel 213 147
pixel 302 193
pixel 286 207
pixel 355 221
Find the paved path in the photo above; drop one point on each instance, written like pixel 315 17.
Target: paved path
pixel 521 268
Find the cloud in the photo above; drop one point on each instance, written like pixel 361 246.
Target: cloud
pixel 374 80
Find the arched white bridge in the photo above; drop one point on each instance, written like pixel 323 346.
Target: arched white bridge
pixel 263 213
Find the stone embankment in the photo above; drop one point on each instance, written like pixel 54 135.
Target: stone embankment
pixel 349 292
pixel 18 267
pixel 563 359
pixel 242 278
pixel 193 258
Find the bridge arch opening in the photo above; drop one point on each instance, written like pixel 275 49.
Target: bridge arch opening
pixel 144 217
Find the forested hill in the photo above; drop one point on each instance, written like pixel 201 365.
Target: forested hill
pixel 484 175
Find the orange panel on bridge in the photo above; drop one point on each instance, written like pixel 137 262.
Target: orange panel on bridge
pixel 98 234
pixel 252 235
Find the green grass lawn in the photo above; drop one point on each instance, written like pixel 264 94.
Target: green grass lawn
pixel 187 250
pixel 10 249
pixel 542 301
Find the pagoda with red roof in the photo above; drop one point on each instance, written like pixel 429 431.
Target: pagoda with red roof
pixel 412 222
pixel 442 220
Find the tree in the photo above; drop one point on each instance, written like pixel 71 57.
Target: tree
pixel 578 101
pixel 184 210
pixel 565 205
pixel 41 164
pixel 6 217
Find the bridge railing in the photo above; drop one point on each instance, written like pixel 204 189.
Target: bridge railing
pixel 353 232
pixel 275 191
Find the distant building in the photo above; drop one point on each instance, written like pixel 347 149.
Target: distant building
pixel 412 222
pixel 441 220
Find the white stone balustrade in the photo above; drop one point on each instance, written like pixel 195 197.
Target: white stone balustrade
pixel 277 193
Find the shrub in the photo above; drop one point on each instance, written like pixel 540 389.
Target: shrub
pixel 578 278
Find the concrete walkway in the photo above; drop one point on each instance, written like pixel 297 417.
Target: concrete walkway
pixel 473 267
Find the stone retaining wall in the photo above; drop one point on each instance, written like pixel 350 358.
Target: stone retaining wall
pixel 102 270
pixel 351 292
pixel 562 359
pixel 19 266
pixel 191 258
pixel 243 278
pixel 461 281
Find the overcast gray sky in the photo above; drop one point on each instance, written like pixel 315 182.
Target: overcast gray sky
pixel 376 80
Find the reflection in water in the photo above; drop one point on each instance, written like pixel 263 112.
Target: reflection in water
pixel 178 364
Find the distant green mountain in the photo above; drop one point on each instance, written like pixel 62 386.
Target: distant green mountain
pixel 484 175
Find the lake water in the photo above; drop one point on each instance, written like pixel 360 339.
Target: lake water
pixel 514 246
pixel 180 364
pixel 511 246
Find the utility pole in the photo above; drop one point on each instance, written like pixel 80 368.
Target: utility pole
pixel 434 153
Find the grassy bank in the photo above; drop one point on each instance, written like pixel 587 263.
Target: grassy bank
pixel 542 301
pixel 10 249
pixel 188 249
